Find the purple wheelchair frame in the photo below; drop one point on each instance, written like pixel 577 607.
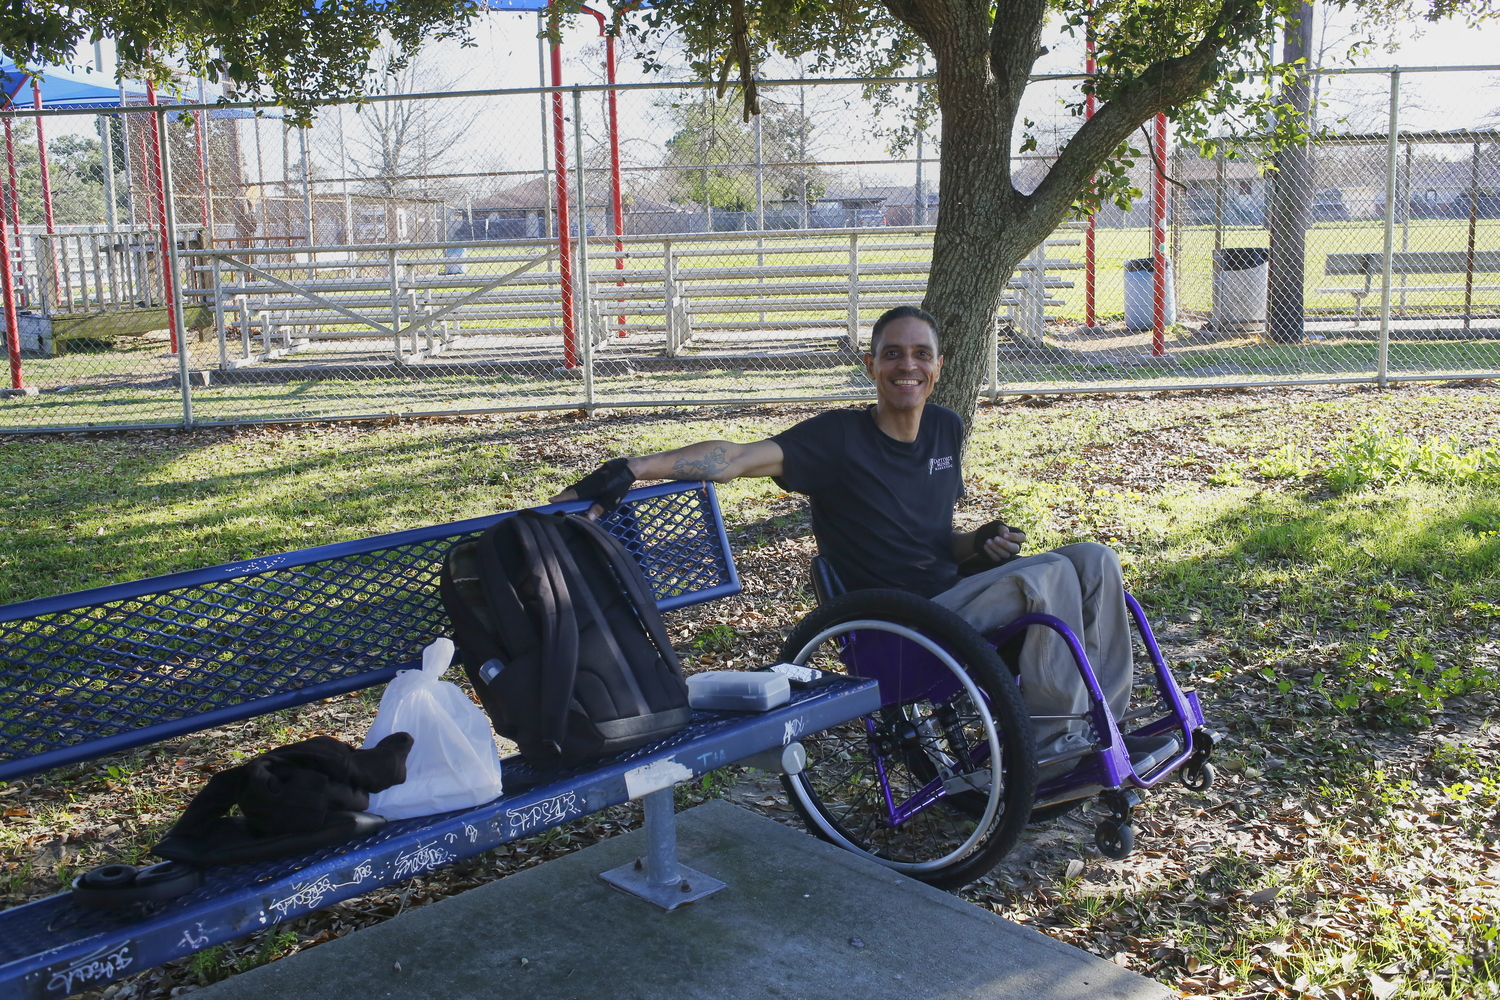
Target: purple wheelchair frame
pixel 907 672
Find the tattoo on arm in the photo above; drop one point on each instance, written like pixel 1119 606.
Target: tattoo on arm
pixel 704 467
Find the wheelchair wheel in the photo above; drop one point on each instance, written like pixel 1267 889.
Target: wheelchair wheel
pixel 938 784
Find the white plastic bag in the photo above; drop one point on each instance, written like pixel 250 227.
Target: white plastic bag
pixel 453 762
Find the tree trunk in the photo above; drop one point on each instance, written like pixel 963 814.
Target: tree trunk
pixel 981 232
pixel 984 226
pixel 1291 201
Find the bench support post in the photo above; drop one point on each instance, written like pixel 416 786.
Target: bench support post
pixel 658 877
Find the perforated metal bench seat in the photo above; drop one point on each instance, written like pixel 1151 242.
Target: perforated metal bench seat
pixel 88 674
pixel 51 948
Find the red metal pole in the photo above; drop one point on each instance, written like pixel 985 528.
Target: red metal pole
pixel 168 279
pixel 41 152
pixel 616 202
pixel 564 237
pixel 1090 104
pixel 14 196
pixel 1159 243
pixel 12 318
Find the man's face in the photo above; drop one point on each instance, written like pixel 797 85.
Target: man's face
pixel 907 366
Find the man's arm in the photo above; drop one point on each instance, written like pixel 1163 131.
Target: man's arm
pixel 718 461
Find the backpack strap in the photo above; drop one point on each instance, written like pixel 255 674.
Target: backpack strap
pixel 588 605
pixel 518 633
pixel 559 628
pixel 628 571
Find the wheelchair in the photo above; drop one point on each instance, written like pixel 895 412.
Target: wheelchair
pixel 942 781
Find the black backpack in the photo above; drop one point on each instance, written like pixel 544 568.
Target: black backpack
pixel 560 636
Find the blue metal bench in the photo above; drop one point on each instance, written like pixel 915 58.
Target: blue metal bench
pixel 88 674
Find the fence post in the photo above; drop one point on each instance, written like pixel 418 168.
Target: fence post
pixel 995 360
pixel 219 328
pixel 171 286
pixel 583 314
pixel 669 296
pixel 390 257
pixel 854 294
pixel 1383 359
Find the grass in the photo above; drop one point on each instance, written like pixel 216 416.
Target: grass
pixel 1321 564
pixel 138 388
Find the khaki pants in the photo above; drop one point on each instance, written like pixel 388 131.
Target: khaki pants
pixel 1081 584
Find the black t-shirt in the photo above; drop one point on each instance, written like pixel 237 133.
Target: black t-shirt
pixel 882 509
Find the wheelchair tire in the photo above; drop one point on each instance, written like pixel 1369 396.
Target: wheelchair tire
pixel 857 773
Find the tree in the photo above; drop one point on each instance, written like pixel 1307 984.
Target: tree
pixel 713 136
pixel 298 52
pixel 75 169
pixel 1185 58
pixel 398 145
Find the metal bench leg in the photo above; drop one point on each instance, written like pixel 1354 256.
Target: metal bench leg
pixel 658 877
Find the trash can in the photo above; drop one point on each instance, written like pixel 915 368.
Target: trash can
pixel 1240 289
pixel 1140 294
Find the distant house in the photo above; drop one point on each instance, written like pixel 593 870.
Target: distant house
pixel 878 206
pixel 1445 189
pixel 1229 191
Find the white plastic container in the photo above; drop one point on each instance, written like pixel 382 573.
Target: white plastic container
pixel 738 690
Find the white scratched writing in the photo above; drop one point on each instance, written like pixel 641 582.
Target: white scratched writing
pixel 712 759
pixel 420 859
pixel 792 729
pixel 258 565
pixel 102 965
pixel 313 893
pixel 547 812
pixel 191 941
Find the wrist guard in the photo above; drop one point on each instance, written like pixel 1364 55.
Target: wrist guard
pixel 606 485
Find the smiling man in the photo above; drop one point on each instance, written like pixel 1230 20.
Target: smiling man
pixel 882 483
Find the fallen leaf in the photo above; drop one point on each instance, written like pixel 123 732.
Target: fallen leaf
pixel 1383 989
pixel 1264 896
pixel 1075 869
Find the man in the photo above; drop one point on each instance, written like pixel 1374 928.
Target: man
pixel 882 484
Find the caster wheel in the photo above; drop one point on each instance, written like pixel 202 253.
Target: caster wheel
pixel 1115 839
pixel 1199 778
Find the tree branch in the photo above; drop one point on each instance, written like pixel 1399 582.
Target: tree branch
pixel 1159 88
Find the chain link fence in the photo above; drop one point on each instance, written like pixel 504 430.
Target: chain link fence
pixel 405 258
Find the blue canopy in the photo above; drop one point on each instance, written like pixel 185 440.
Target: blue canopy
pixel 58 90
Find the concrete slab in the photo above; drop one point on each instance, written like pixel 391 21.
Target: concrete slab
pixel 800 919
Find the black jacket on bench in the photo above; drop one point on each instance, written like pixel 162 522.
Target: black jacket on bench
pixel 291 800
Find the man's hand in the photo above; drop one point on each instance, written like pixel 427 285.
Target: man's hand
pixel 1006 545
pixel 986 547
pixel 607 485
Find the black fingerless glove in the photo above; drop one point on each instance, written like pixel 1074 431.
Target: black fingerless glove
pixel 980 560
pixel 606 485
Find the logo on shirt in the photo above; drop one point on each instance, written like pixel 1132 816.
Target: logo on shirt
pixel 939 464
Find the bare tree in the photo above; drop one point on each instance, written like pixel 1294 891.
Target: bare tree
pixel 399 145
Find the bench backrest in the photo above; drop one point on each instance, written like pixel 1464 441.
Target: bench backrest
pixel 90 673
pixel 1413 262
